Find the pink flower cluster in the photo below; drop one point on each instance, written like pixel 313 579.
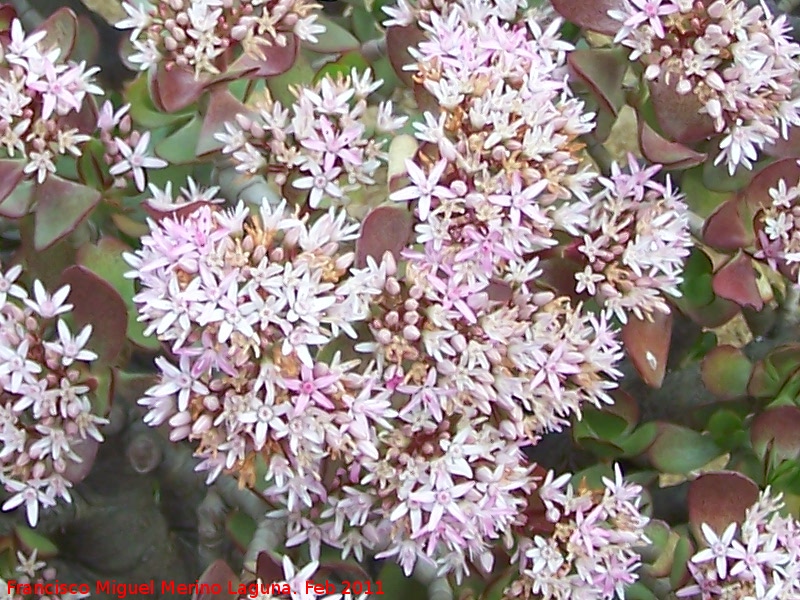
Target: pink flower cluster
pixel 47 422
pixel 778 231
pixel 739 63
pixel 324 137
pixel 637 241
pixel 761 561
pixel 40 98
pixel 34 572
pixel 591 551
pixel 202 35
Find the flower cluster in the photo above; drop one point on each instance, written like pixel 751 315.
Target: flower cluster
pixel 778 231
pixel 41 97
pixel 589 547
pixel 126 155
pixel 762 561
pixel 331 138
pixel 738 62
pixel 32 577
pixel 637 241
pixel 201 35
pixel 46 415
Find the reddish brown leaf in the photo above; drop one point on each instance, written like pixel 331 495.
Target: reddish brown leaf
pixel 725 372
pixel 384 229
pixel 61 205
pixel 62 31
pixel 222 107
pixel 176 88
pixel 678 115
pixel 647 345
pixel 219 574
pixel 777 428
pixel 98 303
pixel 756 194
pixel 719 499
pixel 730 226
pixel 602 70
pixel 736 281
pixel 785 148
pixel 591 15
pixel 10 176
pixel 670 154
pixel 75 472
pixel 278 59
pixel 398 41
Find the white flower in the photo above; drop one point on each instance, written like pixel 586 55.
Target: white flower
pixel 71 348
pixel 136 160
pixel 719 548
pixel 47 306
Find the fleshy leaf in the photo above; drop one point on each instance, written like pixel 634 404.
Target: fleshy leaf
pixel 678 115
pixel 219 574
pixel 301 73
pixel 756 194
pixel 75 472
pixel 785 148
pixel 62 31
pixel 670 154
pixel 30 540
pixel 773 371
pixel 602 71
pixel 61 206
pixel 222 107
pixel 591 15
pixel 144 112
pixel 175 89
pixel 699 198
pixel 736 281
pixel 729 227
pixel 277 60
pixel 401 148
pixel 778 429
pixel 10 176
pixel 105 260
pixel 725 371
pixel 647 345
pixel 719 499
pixel 398 41
pixel 334 40
pixel 178 148
pixel 98 303
pixel 681 450
pixel 385 229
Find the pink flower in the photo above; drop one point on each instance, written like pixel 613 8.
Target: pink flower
pixel 424 187
pixel 136 160
pixel 719 548
pixel 310 387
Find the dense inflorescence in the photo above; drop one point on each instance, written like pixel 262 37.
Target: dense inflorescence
pixel 329 140
pixel 758 558
pixel 778 231
pixel 47 421
pixel 738 62
pixel 590 547
pixel 41 98
pixel 202 35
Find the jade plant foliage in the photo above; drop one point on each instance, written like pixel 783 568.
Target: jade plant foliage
pixel 464 299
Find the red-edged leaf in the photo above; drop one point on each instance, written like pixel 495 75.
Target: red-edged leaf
pixel 602 70
pixel 736 281
pixel 85 120
pixel 219 574
pixel 681 450
pixel 678 115
pixel 278 59
pixel 756 194
pixel 398 41
pixel 222 107
pixel 61 205
pixel 785 148
pixel 647 345
pixel 719 499
pixel 670 154
pixel 267 568
pixel 730 226
pixel 176 88
pixel 10 176
pixel 778 429
pixel 334 40
pixel 726 371
pixel 591 15
pixel 98 303
pixel 384 229
pixel 773 371
pixel 62 31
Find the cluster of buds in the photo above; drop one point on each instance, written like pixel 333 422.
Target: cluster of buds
pixel 588 541
pixel 33 579
pixel 739 63
pixel 762 561
pixel 333 139
pixel 47 423
pixel 778 231
pixel 126 150
pixel 204 35
pixel 637 243
pixel 41 97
